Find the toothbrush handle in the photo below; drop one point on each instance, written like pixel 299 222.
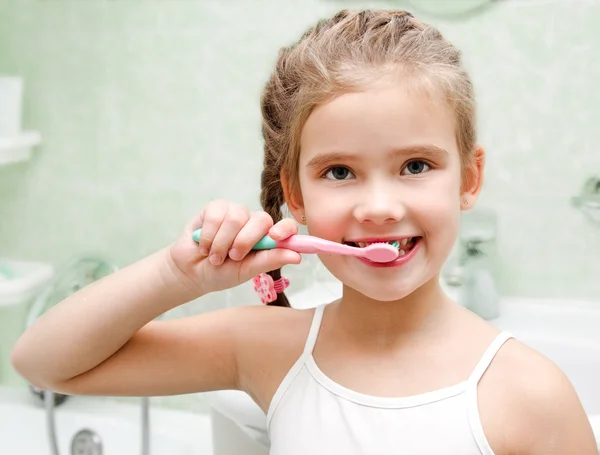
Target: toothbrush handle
pixel 305 244
pixel 266 243
pixel 309 244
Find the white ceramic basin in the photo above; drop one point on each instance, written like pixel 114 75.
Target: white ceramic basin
pixel 23 429
pixel 567 332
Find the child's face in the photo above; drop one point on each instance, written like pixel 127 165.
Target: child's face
pixel 382 163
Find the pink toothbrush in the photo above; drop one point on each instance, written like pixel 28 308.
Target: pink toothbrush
pixel 376 252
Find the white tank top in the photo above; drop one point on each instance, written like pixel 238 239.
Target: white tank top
pixel 312 414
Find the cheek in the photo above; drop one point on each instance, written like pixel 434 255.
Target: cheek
pixel 327 220
pixel 326 212
pixel 441 212
pixel 443 219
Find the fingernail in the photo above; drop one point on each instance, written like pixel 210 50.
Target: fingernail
pixel 215 259
pixel 204 251
pixel 234 254
pixel 275 232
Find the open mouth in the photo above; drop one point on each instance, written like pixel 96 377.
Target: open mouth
pixel 404 245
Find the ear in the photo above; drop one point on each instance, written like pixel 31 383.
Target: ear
pixel 472 179
pixel 293 199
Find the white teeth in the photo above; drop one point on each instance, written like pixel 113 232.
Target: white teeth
pixel 402 242
pixel 364 244
pixel 401 253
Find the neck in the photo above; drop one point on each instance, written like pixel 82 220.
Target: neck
pixel 383 324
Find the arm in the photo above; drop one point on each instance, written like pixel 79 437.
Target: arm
pixel 99 341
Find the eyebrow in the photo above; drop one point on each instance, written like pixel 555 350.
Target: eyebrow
pixel 426 151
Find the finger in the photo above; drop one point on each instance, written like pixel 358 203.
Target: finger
pixel 250 234
pixel 195 223
pixel 213 216
pixel 267 260
pixel 283 229
pixel 237 216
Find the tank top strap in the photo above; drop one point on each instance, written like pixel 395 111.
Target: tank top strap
pixel 488 356
pixel 314 330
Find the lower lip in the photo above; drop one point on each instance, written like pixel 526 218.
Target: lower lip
pixel 397 262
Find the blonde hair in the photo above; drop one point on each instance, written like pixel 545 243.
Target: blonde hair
pixel 345 53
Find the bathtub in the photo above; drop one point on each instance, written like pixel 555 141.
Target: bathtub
pixel 566 332
pixel 23 426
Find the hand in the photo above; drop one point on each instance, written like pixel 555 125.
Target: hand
pixel 223 257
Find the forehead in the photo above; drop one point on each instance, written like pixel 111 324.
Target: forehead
pixel 378 119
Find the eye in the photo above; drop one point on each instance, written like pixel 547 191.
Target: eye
pixel 338 173
pixel 415 167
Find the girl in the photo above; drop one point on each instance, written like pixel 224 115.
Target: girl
pixel 369 129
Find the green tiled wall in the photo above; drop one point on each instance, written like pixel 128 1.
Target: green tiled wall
pixel 149 109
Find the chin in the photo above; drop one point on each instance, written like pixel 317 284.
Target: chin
pixel 390 293
pixel 383 284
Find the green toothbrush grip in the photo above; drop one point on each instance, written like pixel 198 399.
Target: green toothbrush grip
pixel 266 243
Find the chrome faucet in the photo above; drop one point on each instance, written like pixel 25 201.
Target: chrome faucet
pixel 478 290
pixel 588 201
pixel 473 269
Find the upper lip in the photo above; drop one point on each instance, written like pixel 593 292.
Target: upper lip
pixel 380 239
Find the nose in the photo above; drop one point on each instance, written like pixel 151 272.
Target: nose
pixel 380 204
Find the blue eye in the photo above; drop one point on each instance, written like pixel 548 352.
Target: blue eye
pixel 338 173
pixel 415 167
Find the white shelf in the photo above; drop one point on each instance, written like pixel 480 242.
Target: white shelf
pixel 18 147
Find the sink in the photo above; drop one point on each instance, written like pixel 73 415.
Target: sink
pixel 565 331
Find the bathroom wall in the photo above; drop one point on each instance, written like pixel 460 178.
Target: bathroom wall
pixel 149 109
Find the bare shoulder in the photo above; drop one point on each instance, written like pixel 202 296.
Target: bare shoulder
pixel 269 340
pixel 528 406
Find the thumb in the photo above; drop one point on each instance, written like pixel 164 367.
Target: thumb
pixel 267 260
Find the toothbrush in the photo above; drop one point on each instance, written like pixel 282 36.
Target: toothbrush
pixel 376 252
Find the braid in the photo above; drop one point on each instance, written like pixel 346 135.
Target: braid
pixel 271 199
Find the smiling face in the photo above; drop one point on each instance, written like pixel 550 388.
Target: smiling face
pixel 382 164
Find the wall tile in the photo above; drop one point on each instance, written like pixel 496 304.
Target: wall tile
pixel 149 109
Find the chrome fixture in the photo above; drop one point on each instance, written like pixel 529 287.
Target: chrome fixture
pixel 86 442
pixel 473 272
pixel 588 200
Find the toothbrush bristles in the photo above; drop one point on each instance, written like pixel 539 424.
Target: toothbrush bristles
pixel 387 253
